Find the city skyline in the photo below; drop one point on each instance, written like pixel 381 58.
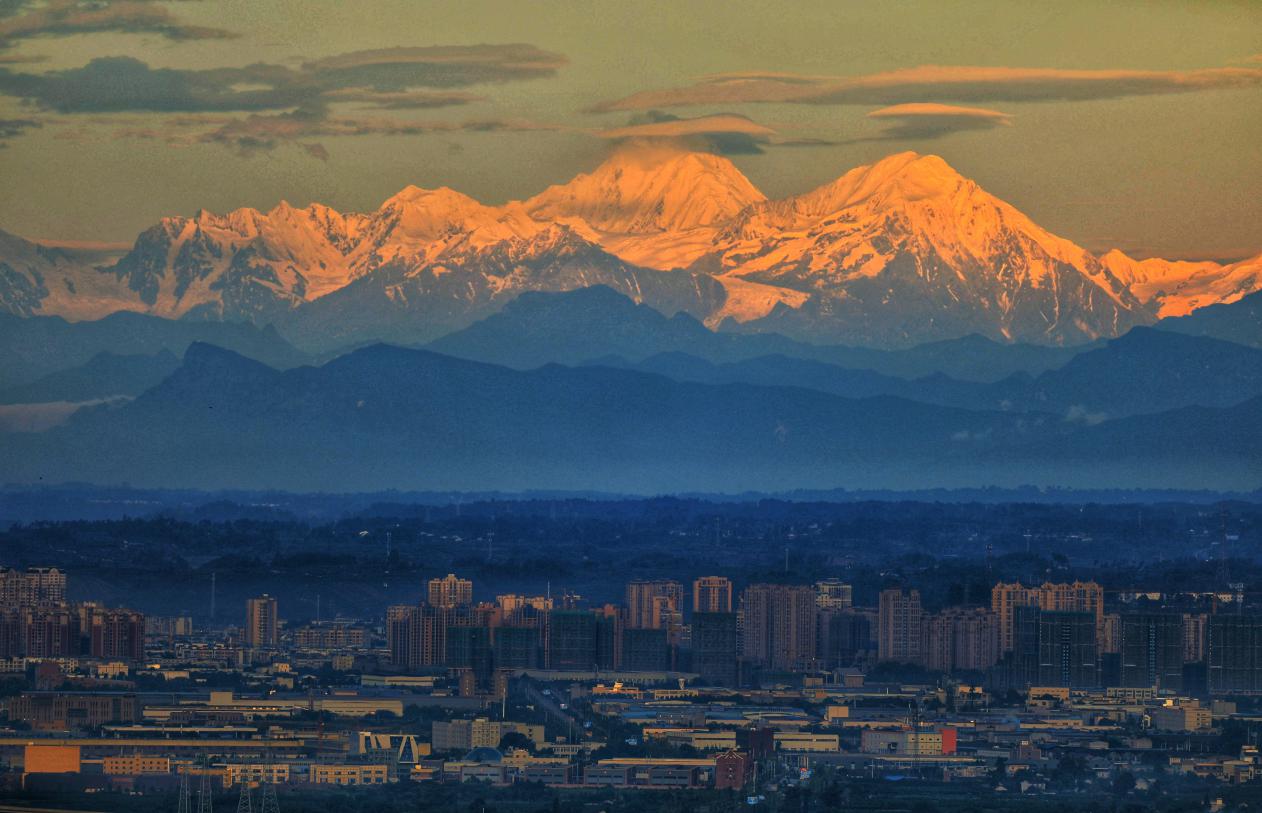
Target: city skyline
pixel 399 655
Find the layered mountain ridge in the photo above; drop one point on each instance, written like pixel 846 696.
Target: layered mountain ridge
pixel 390 417
pixel 902 251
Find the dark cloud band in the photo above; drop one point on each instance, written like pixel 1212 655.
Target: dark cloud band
pixel 289 103
pixel 61 18
pixel 938 83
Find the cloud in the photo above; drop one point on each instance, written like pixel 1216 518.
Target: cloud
pixel 21 59
pixel 11 128
pixel 723 133
pixel 121 83
pixel 962 84
pixel 930 120
pixel 675 127
pixel 389 78
pixel 402 100
pixel 435 66
pixel 1080 414
pixel 60 18
pixel 257 133
pixel 287 104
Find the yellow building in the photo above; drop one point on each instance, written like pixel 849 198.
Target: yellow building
pixel 348 774
pixel 255 773
pixel 134 765
pixel 806 741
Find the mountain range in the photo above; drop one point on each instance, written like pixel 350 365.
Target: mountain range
pixel 390 417
pixel 893 254
pixel 591 324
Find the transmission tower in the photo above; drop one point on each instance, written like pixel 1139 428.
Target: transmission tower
pixel 204 802
pixel 244 803
pixel 185 804
pixel 267 788
pixel 268 803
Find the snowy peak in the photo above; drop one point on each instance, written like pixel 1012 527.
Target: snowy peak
pixel 417 224
pixel 903 250
pixel 1178 287
pixel 897 179
pixel 911 231
pixel 418 215
pixel 905 202
pixel 643 190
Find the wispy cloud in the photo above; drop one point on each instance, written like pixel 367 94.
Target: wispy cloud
pixel 60 18
pixel 21 59
pixel 402 99
pixel 10 128
pixel 962 84
pixel 435 66
pixel 300 128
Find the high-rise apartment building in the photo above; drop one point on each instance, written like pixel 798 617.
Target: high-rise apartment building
pixel 712 594
pixel 960 639
pixel 34 587
pixel 714 648
pixel 514 608
pixel 417 634
pixel 261 622
pixel 1077 597
pixel 833 594
pixel 115 634
pixel 1110 634
pixel 899 618
pixel 845 636
pixel 1055 648
pixel 1194 626
pixel 1233 653
pixel 516 647
pixel 1152 650
pixel 779 626
pixel 645 650
pixel 654 604
pixel 41 632
pixel 450 591
pixel 572 640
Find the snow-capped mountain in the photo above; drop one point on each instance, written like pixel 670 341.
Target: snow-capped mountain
pixel 643 190
pixel 245 265
pixel 1177 287
pixel 406 301
pixel 36 279
pixel 901 251
pixel 908 247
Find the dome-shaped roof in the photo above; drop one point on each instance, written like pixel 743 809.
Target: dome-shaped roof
pixel 484 754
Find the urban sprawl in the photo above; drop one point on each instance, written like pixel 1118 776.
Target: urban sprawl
pixel 1052 688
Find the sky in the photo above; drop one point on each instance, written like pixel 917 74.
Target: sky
pixel 1128 125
